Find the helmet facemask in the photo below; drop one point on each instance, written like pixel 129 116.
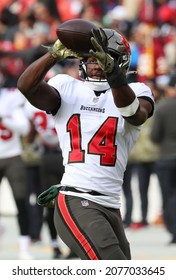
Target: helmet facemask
pixel 83 72
pixel 119 49
pixel 98 85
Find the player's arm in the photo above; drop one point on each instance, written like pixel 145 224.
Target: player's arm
pixel 32 85
pixel 133 109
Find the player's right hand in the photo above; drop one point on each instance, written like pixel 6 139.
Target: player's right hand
pixel 59 51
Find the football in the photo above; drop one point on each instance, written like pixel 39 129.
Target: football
pixel 75 34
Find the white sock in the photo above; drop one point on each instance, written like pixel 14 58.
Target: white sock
pixel 54 243
pixel 24 242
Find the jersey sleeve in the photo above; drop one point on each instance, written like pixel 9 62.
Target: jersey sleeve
pixel 63 84
pixel 143 91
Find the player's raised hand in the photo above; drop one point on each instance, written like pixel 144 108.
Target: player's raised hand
pixel 104 59
pixel 59 51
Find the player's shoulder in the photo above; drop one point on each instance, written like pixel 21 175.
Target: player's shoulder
pixel 141 89
pixel 144 91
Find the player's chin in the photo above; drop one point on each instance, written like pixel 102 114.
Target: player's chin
pixel 99 76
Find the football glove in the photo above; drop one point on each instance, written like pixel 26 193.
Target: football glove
pixel 47 198
pixel 99 42
pixel 108 64
pixel 59 51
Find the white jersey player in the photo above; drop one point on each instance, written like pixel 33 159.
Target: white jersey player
pixel 13 125
pixel 44 125
pixel 51 164
pixel 92 132
pixel 98 120
pixel 13 122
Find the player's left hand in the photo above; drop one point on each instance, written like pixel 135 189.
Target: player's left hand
pixel 104 59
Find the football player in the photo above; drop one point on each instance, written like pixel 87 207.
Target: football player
pixel 14 125
pixel 98 119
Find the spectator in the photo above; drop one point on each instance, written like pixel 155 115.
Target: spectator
pixel 163 134
pixel 44 15
pixel 169 46
pixel 144 154
pixel 32 158
pixel 141 163
pixel 127 191
pixel 69 9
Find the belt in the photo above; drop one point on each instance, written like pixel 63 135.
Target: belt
pixel 46 198
pixel 71 189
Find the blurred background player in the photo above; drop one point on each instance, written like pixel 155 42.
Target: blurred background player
pixel 51 161
pixel 51 164
pixel 13 125
pixel 163 134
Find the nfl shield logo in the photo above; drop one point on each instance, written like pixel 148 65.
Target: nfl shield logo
pixel 95 99
pixel 85 203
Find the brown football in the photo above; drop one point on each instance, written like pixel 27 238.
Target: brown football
pixel 75 34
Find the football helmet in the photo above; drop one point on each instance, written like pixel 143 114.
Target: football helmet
pixel 118 48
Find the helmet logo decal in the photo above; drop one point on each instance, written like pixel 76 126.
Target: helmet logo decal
pixel 125 42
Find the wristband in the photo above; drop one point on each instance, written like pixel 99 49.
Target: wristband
pixel 131 109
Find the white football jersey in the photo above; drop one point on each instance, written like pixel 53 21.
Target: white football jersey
pixel 44 125
pixel 13 122
pixel 94 138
